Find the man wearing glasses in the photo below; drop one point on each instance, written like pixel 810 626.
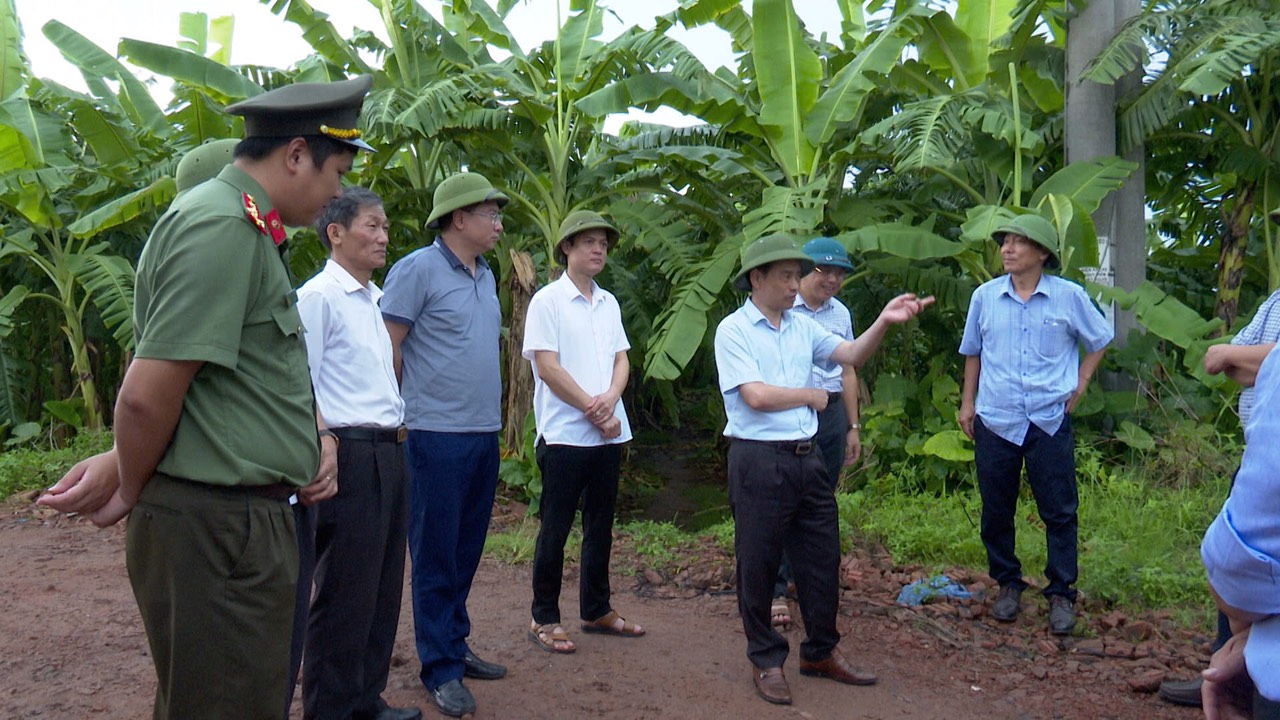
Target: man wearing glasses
pixel 441 309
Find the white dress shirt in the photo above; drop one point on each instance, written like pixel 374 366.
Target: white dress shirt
pixel 349 351
pixel 587 335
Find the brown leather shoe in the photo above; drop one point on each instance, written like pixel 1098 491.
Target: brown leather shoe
pixel 838 669
pixel 771 685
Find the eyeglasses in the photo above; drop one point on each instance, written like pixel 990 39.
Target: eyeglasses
pixel 838 273
pixel 494 216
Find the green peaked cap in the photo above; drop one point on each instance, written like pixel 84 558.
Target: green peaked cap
pixel 462 190
pixel 329 109
pixel 1036 229
pixel 582 221
pixel 770 248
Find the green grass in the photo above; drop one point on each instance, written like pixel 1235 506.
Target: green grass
pixel 515 544
pixel 26 469
pixel 1139 542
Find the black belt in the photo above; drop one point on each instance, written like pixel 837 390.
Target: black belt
pixel 368 434
pixel 833 397
pixel 277 491
pixel 794 447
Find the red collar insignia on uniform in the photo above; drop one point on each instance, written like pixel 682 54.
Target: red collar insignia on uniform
pixel 276 227
pixel 271 225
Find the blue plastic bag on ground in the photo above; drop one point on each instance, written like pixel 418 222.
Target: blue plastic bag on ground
pixel 935 588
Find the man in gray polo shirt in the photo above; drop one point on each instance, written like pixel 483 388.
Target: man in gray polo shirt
pixel 441 308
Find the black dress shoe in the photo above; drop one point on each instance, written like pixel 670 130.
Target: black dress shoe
pixel 453 699
pixel 390 713
pixel 1182 692
pixel 477 669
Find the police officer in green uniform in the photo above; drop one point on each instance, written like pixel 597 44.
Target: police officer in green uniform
pixel 215 420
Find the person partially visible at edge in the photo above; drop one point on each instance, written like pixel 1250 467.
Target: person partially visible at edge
pixel 839 430
pixel 216 426
pixel 574 339
pixel 441 310
pixel 360 534
pixel 1239 361
pixel 1241 554
pixel 779 491
pixel 1022 340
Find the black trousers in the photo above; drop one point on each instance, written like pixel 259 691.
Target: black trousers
pixel 571 474
pixel 304 517
pixel 832 437
pixel 360 550
pixel 1051 472
pixel 782 499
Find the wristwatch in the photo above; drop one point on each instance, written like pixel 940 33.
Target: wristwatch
pixel 855 426
pixel 329 433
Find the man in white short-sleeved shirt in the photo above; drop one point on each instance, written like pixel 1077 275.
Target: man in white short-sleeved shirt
pixel 575 341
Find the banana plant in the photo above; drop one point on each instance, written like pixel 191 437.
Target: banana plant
pixel 1214 97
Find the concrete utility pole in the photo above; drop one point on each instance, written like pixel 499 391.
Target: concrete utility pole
pixel 1091 132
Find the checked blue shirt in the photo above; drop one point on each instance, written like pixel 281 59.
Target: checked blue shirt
pixel 1263 328
pixel 1030 351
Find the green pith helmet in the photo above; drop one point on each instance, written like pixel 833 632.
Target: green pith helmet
pixel 331 109
pixel 204 163
pixel 462 190
pixel 828 251
pixel 582 221
pixel 1036 229
pixel 770 248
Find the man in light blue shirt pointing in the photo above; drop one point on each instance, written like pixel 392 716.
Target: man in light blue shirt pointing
pixel 1021 343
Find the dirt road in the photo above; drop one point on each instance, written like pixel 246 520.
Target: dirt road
pixel 72 646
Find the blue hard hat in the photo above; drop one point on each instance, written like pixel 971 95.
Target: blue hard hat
pixel 828 251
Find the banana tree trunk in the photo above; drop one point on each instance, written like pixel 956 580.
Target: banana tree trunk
pixel 1231 262
pixel 519 401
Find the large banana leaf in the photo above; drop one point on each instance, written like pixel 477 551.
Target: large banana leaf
pixel 982 21
pixel 901 240
pixel 123 209
pixel 1162 315
pixel 488 25
pixel 788 73
pixel 786 210
pixel 190 68
pixel 108 141
pixel 50 140
pixel 15 150
pixel 1085 181
pixel 201 118
pixel 983 220
pixel 577 42
pixel 320 34
pixel 11 386
pixel 13 63
pixel 96 64
pixel 925 279
pixel 680 328
pixel 946 48
pixel 108 280
pixel 844 98
pixel 705 97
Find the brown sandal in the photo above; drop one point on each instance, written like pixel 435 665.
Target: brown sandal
pixel 607 625
pixel 548 636
pixel 780 613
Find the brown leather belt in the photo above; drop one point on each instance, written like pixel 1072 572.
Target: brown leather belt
pixel 368 434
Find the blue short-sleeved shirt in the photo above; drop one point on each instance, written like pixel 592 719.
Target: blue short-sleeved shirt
pixel 834 317
pixel 1263 329
pixel 450 376
pixel 1030 351
pixel 750 349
